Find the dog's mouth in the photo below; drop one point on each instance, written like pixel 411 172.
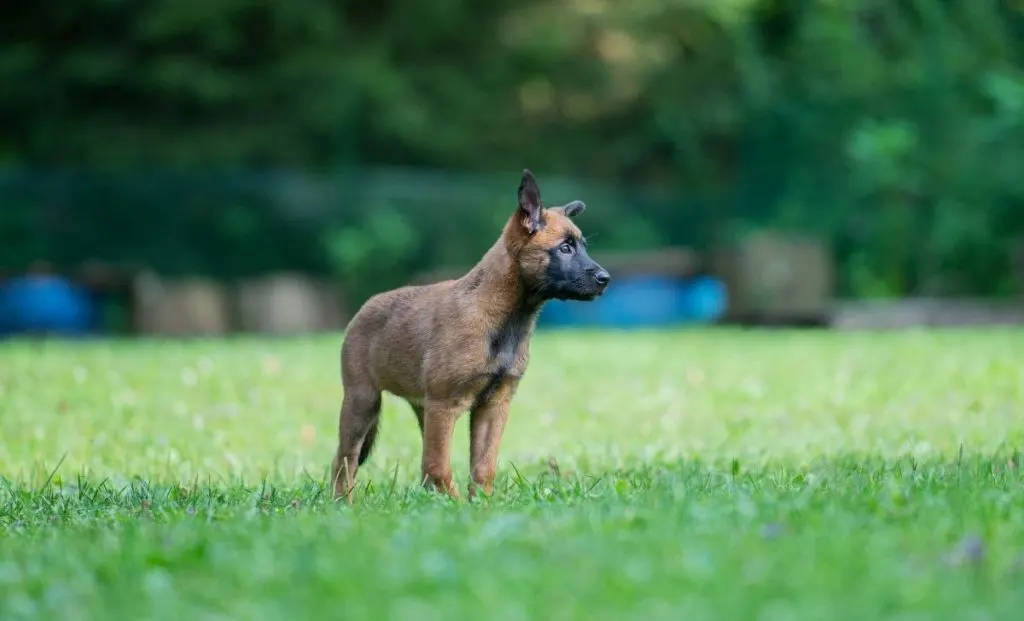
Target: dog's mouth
pixel 586 296
pixel 598 292
pixel 578 292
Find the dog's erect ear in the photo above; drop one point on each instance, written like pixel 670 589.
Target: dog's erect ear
pixel 574 209
pixel 530 208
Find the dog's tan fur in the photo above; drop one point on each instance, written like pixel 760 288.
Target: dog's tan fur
pixel 449 347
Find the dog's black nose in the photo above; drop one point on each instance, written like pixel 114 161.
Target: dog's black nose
pixel 602 277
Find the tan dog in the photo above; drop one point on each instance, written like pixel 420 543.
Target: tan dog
pixel 461 344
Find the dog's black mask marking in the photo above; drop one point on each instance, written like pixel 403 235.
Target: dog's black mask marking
pixel 572 274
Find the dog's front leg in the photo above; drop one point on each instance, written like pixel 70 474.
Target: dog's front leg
pixel 486 426
pixel 438 427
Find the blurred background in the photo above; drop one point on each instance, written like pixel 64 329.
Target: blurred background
pixel 186 167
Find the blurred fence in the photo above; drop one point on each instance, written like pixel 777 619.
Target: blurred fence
pixel 361 224
pixel 373 228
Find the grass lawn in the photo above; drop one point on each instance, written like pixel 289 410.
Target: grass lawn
pixel 693 475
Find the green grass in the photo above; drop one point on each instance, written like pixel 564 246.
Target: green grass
pixel 693 475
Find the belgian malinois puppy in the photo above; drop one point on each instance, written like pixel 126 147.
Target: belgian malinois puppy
pixel 461 344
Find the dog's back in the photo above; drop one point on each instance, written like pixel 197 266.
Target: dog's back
pixel 389 337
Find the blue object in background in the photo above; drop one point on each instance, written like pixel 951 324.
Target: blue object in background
pixel 44 303
pixel 643 301
pixel 706 299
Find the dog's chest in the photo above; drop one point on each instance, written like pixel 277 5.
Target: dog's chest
pixel 506 356
pixel 509 342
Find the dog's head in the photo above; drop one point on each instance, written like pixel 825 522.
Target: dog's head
pixel 549 249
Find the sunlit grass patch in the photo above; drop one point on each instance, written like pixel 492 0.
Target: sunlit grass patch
pixel 707 474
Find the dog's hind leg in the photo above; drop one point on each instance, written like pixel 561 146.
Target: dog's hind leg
pixel 357 431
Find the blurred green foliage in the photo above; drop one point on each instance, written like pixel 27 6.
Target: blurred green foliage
pixel 239 136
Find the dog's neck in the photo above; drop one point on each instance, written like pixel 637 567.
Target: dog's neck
pixel 495 278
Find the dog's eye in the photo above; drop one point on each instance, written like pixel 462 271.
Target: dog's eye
pixel 565 248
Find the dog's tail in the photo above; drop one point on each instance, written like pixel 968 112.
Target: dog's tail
pixel 368 441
